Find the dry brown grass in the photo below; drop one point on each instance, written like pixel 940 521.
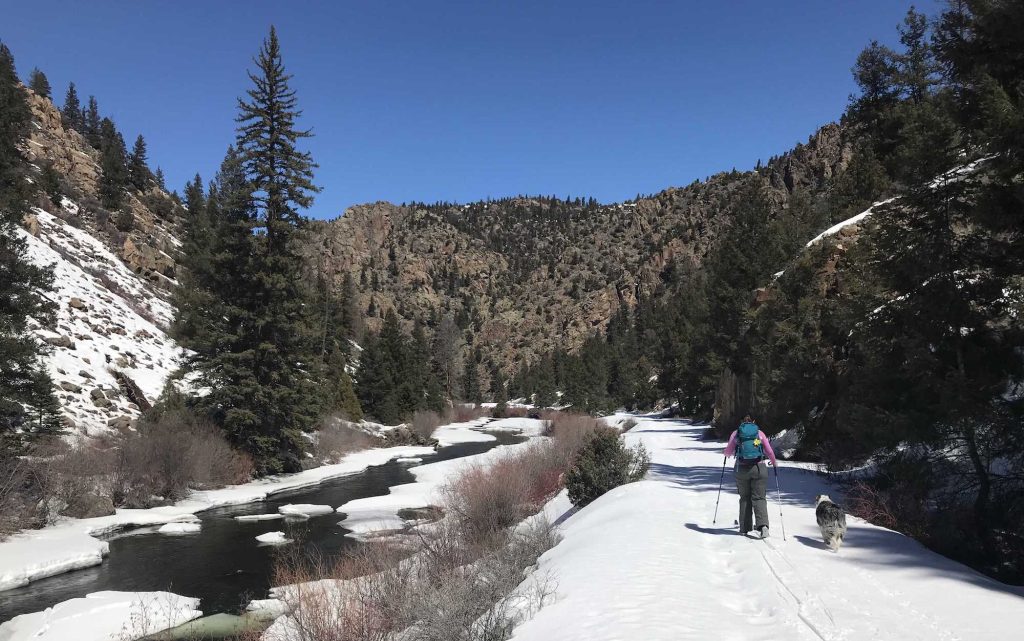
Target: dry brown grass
pixel 514 412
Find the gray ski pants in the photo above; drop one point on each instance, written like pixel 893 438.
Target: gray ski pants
pixel 752 485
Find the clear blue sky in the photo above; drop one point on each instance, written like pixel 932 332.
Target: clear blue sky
pixel 418 100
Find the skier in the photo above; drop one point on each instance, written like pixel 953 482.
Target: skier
pixel 750 446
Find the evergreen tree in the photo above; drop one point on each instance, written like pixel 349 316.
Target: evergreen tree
pixel 471 391
pixel 138 168
pixel 50 183
pixel 113 165
pixel 71 113
pixel 159 178
pixel 91 123
pixel 261 376
pixel 27 403
pixel 38 83
pixel 196 322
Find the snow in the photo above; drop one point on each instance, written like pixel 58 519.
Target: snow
pixel 380 513
pixel 646 562
pixel 849 221
pixel 467 432
pixel 953 175
pixel 523 426
pixel 103 616
pixel 304 510
pixel 413 459
pixel 108 332
pixel 259 517
pixel 273 538
pixel 180 528
pixel 71 545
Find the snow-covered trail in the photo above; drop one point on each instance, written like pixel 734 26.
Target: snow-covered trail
pixel 645 562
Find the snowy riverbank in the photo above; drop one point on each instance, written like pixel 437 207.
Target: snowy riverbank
pixel 380 513
pixel 72 544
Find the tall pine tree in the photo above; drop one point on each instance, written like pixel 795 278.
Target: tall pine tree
pixel 264 393
pixel 27 401
pixel 71 113
pixel 38 83
pixel 138 167
pixel 91 123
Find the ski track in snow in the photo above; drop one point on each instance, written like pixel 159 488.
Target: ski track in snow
pixel 644 562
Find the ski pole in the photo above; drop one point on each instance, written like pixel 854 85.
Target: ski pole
pixel 778 499
pixel 719 490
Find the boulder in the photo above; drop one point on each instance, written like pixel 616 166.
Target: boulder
pixel 77 303
pixel 89 505
pixel 121 423
pixel 60 341
pixel 68 386
pixel 31 224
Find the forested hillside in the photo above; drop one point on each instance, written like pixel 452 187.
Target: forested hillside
pixel 896 339
pixel 521 277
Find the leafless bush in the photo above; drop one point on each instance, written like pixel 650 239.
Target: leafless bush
pixel 486 500
pixel 167 457
pixel 868 503
pixel 17 510
pixel 73 482
pixel 463 580
pixel 515 412
pixel 424 423
pixel 570 432
pixel 465 413
pixel 336 438
pixel 627 425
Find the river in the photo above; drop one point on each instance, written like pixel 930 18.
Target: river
pixel 223 564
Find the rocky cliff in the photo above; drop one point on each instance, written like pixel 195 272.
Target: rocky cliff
pixel 531 274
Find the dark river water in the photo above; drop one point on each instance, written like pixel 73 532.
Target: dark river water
pixel 223 564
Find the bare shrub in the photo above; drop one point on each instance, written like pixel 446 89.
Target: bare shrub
pixel 485 500
pixel 570 432
pixel 424 423
pixel 336 438
pixel 463 579
pixel 178 451
pixel 73 482
pixel 17 510
pixel 515 412
pixel 464 413
pixel 627 425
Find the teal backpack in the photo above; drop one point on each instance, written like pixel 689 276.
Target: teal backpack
pixel 748 443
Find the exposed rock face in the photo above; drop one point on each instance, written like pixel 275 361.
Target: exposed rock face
pixel 150 246
pixel 533 277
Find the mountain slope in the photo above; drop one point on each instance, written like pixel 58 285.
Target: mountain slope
pixel 529 274
pixel 109 353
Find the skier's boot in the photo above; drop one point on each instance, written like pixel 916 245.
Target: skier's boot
pixel 764 531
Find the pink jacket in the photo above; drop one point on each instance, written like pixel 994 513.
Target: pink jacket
pixel 730 449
